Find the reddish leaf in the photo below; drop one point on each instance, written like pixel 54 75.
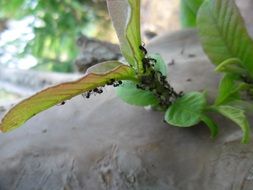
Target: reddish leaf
pixel 49 97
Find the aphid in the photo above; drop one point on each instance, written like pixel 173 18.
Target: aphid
pixel 115 84
pixel 146 64
pixel 140 87
pixel 95 90
pixel 87 95
pixel 110 82
pixel 100 91
pixel 62 103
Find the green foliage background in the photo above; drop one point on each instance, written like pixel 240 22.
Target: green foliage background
pixel 61 21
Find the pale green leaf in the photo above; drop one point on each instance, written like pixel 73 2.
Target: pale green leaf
pixel 187 110
pixel 231 65
pixel 188 12
pixel 131 95
pixel 103 67
pixel 59 93
pixel 238 116
pixel 160 64
pixel 125 15
pixel 228 89
pixel 211 125
pixel 223 33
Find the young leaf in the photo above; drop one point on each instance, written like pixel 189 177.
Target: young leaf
pixel 228 89
pixel 188 12
pixel 59 93
pixel 131 95
pixel 125 15
pixel 211 125
pixel 238 116
pixel 231 65
pixel 223 33
pixel 133 33
pixel 160 64
pixel 187 110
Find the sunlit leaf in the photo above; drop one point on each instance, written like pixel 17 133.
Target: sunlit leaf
pixel 59 93
pixel 223 33
pixel 125 16
pixel 238 116
pixel 187 110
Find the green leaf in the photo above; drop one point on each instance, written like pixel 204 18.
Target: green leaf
pixel 187 110
pixel 160 63
pixel 223 33
pixel 125 15
pixel 231 65
pixel 238 116
pixel 211 125
pixel 228 89
pixel 188 12
pixel 131 95
pixel 59 93
pixel 133 33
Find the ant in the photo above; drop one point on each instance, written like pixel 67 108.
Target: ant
pixel 141 47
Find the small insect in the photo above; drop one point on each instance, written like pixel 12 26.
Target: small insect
pixel 100 91
pixel 140 87
pixel 117 83
pixel 62 103
pixel 87 94
pixel 141 47
pixel 110 82
pixel 95 90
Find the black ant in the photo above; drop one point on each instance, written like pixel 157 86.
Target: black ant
pixel 143 49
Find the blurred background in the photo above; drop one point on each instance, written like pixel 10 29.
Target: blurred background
pixel 45 42
pixel 63 36
pixel 42 35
